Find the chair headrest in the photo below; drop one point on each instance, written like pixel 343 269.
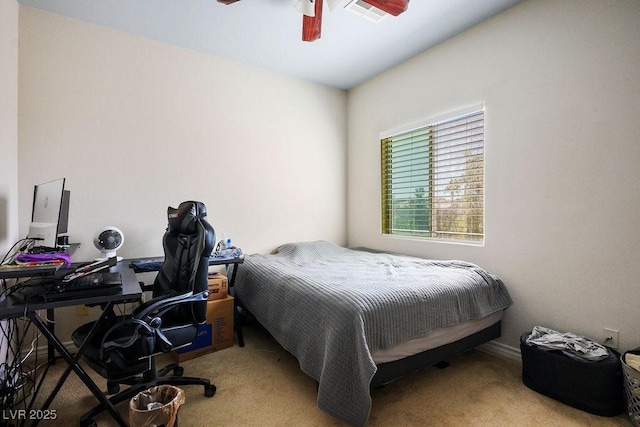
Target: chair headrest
pixel 184 218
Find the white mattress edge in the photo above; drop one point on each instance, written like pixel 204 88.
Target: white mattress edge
pixel 435 338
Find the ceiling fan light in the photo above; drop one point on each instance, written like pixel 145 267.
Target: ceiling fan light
pixel 392 7
pixel 365 10
pixel 306 7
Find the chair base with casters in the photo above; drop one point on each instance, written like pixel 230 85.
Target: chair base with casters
pixel 150 379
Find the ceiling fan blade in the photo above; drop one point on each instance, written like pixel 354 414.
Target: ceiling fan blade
pixel 392 7
pixel 312 25
pixel 227 1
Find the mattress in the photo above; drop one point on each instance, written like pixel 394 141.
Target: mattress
pixel 331 307
pixel 435 338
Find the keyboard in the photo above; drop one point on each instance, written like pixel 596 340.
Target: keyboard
pixel 92 285
pixel 144 265
pixel 15 271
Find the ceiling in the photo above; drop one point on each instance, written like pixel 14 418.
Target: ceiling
pixel 268 33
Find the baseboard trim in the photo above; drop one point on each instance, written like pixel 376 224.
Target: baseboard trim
pixel 501 350
pixel 492 347
pixel 42 350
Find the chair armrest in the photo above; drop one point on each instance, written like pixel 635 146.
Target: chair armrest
pixel 147 320
pixel 157 306
pixel 140 328
pixel 147 305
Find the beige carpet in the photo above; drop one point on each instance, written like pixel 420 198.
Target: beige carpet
pixel 261 385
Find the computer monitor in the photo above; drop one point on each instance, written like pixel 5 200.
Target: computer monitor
pixel 45 215
pixel 63 222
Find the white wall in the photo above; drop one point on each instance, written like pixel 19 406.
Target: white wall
pixel 8 124
pixel 561 84
pixel 136 125
pixel 8 133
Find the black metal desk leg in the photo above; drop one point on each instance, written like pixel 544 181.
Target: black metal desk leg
pixel 51 354
pixel 75 367
pixel 236 317
pixel 236 321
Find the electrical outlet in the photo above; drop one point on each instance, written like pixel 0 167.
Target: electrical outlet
pixel 610 337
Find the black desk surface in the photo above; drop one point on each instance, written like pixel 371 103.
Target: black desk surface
pixel 158 260
pixel 15 305
pixel 212 260
pixel 18 304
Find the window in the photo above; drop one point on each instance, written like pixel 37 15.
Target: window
pixel 433 179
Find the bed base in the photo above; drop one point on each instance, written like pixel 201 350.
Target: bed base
pixel 391 371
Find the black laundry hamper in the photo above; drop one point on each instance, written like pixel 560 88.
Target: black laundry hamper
pixel 594 387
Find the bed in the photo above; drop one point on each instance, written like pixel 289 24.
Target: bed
pixel 356 319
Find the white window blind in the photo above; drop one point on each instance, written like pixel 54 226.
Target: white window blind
pixel 433 179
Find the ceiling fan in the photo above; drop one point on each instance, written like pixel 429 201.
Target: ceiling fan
pixel 312 12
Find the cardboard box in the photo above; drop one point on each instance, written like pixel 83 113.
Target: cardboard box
pixel 216 334
pixel 218 286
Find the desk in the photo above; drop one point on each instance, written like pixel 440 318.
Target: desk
pixel 231 266
pixel 15 306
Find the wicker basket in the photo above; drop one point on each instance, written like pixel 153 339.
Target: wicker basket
pixel 632 391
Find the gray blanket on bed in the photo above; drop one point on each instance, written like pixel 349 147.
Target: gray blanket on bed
pixel 331 307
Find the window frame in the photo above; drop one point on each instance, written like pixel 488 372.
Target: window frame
pixel 439 119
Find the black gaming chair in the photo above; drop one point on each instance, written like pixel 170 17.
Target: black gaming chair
pixel 123 349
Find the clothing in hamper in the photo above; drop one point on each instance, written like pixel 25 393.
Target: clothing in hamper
pixel 570 344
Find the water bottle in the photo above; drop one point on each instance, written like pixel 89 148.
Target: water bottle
pixel 224 243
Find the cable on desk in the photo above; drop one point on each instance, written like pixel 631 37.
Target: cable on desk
pixel 45 285
pixel 10 256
